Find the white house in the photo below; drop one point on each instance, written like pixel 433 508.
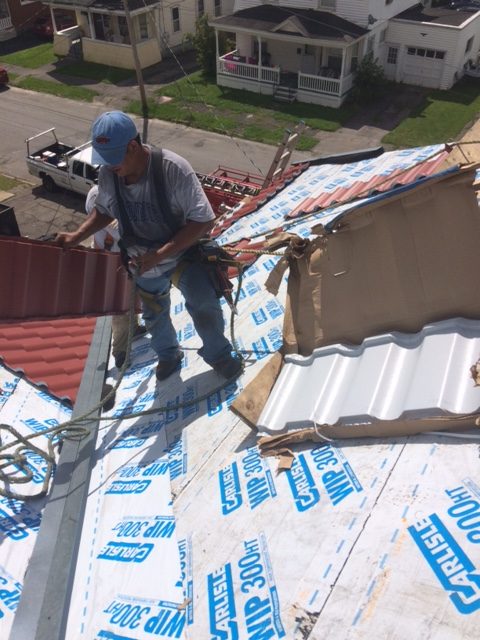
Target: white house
pixel 157 28
pixel 308 50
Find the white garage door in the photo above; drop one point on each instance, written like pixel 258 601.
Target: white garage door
pixel 423 67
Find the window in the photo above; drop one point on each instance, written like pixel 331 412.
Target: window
pixel 77 168
pixel 102 25
pixel 123 29
pixel 383 35
pixel 143 26
pixel 469 45
pixel 176 19
pixel 328 4
pixel 200 7
pixel 392 55
pixel 354 62
pixel 91 173
pixel 4 13
pixel 425 53
pixel 370 46
pixel 217 8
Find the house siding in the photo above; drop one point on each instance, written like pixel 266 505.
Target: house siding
pixel 120 55
pixel 21 17
pixel 354 10
pixel 451 40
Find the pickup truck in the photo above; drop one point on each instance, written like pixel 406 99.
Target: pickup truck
pixel 61 165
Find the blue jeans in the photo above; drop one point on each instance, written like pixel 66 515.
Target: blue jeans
pixel 201 303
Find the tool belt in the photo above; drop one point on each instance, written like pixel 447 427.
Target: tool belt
pixel 216 261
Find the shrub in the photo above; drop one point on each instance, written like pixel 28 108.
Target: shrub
pixel 370 82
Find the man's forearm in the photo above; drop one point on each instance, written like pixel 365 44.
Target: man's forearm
pixel 94 222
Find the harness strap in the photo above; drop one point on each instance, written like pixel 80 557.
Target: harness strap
pixel 128 236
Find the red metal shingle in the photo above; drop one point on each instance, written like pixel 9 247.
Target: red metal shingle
pixel 50 353
pixel 41 280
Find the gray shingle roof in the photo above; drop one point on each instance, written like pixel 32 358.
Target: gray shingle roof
pixel 315 24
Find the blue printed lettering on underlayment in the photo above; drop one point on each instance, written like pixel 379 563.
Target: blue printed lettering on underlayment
pixel 455 571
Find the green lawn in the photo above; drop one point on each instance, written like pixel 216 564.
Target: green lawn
pixel 7 183
pixel 55 88
pixel 440 118
pixel 32 58
pixel 201 104
pixel 97 72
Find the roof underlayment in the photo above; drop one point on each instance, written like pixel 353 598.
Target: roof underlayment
pixel 189 533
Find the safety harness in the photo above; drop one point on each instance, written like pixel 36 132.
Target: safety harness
pixel 205 250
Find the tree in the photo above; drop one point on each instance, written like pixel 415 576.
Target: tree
pixel 370 81
pixel 204 43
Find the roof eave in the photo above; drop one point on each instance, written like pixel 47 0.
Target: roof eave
pixel 298 39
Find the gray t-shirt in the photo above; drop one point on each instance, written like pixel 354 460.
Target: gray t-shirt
pixel 184 193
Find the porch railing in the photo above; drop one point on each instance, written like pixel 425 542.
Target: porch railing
pixel 248 71
pixel 5 23
pixel 320 84
pixel 271 75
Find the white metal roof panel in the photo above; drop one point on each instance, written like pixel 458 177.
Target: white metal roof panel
pixel 387 377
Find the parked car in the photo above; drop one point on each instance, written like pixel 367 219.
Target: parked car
pixel 3 76
pixel 43 26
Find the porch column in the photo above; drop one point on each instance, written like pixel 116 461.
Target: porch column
pixel 259 62
pixel 342 69
pixel 217 49
pixel 52 16
pixel 93 35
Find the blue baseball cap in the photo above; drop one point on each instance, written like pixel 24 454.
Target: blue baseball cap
pixel 111 133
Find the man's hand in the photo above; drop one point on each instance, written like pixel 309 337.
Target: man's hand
pixel 67 240
pixel 146 262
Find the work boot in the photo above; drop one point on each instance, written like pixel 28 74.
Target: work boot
pixel 120 359
pixel 141 330
pixel 165 368
pixel 230 367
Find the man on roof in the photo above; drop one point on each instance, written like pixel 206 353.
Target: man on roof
pixel 162 211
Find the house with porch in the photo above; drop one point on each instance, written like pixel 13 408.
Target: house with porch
pixel 105 33
pixel 309 50
pixel 17 16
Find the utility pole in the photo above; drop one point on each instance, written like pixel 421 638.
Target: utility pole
pixel 133 44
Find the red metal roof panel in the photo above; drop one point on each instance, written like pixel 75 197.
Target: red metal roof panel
pixel 376 183
pixel 42 280
pixel 50 353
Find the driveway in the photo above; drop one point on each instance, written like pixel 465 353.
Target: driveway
pixel 368 127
